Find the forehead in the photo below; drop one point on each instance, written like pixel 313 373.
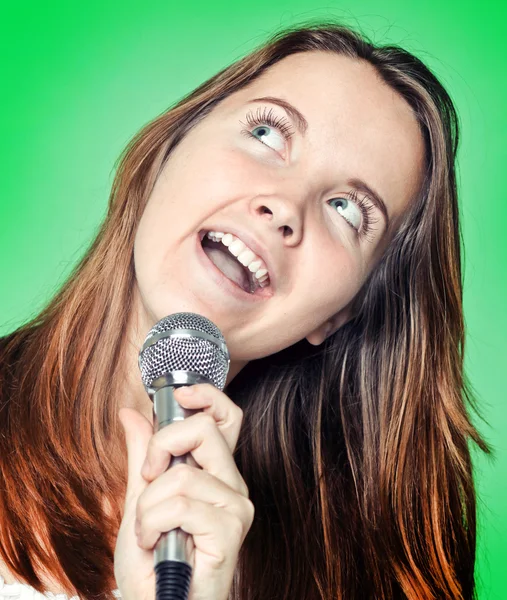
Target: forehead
pixel 358 126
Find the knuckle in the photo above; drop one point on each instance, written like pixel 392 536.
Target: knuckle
pixel 208 421
pixel 220 558
pixel 242 516
pixel 238 413
pixel 250 510
pixel 182 474
pixel 244 489
pixel 155 444
pixel 148 522
pixel 141 507
pixel 180 504
pixel 237 527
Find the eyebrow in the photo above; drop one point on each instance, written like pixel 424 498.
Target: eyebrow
pixel 302 126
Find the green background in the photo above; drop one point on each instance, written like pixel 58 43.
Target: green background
pixel 79 79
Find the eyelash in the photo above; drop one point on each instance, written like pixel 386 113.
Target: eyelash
pixel 367 208
pixel 267 117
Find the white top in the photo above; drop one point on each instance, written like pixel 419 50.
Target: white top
pixel 22 591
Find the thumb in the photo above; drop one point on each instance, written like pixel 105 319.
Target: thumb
pixel 138 432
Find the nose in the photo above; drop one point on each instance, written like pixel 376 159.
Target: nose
pixel 283 216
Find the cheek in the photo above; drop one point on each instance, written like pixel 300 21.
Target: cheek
pixel 194 185
pixel 333 277
pixel 155 240
pixel 204 181
pixel 145 255
pixel 228 175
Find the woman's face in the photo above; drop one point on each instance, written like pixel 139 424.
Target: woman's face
pixel 293 196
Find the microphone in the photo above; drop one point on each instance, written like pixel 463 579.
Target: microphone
pixel 181 349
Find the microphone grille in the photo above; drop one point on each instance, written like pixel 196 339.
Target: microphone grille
pixel 180 347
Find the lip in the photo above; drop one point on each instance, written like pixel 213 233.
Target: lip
pixel 252 243
pixel 228 286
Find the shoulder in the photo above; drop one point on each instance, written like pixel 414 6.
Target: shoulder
pixel 21 591
pixel 5 576
pixel 13 589
pixel 18 591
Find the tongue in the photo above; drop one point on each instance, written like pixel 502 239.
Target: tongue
pixel 229 266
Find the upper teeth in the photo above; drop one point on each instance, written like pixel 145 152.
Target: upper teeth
pixel 243 253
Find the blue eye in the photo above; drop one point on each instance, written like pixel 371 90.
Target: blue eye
pixel 263 130
pixel 267 125
pixel 351 213
pixel 268 136
pixel 352 208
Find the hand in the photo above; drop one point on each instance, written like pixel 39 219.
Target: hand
pixel 209 503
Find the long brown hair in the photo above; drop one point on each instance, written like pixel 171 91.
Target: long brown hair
pixel 355 452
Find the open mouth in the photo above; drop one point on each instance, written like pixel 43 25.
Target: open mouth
pixel 222 262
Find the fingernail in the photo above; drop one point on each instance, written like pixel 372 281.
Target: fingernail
pixel 185 390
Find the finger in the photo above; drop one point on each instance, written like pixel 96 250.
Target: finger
pixel 213 401
pixel 215 531
pixel 200 436
pixel 188 481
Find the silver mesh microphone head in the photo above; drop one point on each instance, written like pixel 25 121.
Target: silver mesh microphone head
pixel 184 348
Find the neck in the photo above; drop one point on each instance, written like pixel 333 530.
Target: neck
pixel 132 393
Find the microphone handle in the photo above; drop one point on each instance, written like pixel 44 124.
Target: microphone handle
pixel 173 570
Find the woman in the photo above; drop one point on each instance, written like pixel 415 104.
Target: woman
pixel 333 160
